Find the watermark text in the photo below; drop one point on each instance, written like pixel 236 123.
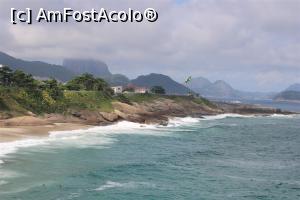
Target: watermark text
pixel 42 15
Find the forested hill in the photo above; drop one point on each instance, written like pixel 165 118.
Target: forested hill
pixel 37 68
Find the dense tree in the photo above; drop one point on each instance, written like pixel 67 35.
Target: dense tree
pixel 20 79
pixel 158 90
pixel 49 95
pixel 83 82
pixel 53 88
pixel 88 82
pixel 5 76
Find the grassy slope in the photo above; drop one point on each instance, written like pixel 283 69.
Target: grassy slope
pixel 19 102
pixel 139 98
pixel 89 100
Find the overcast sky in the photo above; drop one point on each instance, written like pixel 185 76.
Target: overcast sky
pixel 254 45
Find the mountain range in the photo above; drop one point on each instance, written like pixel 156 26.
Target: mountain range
pixel 222 90
pixel 65 72
pixel 73 67
pixel 37 68
pixel 171 86
pixel 80 66
pixel 216 89
pixel 95 67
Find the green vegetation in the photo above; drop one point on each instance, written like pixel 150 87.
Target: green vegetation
pixel 191 98
pixel 123 98
pixel 203 101
pixel 20 93
pixel 90 100
pixel 148 97
pixel 158 90
pixel 89 83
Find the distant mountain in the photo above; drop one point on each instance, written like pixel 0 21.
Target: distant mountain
pixel 288 96
pixel 294 87
pixel 199 83
pixel 97 68
pixel 292 93
pixel 37 68
pixel 171 86
pixel 218 89
pixel 222 90
pixel 80 66
pixel 117 79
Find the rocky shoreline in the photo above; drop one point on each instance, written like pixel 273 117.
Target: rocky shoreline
pixel 158 111
pixel 155 112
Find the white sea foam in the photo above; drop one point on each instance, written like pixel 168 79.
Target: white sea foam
pixel 3 182
pixel 178 121
pixel 11 147
pixel 234 115
pixel 96 136
pixel 104 135
pixel 284 116
pixel 112 184
pixel 9 174
pixel 223 116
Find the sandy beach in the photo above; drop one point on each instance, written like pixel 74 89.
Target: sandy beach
pixel 13 133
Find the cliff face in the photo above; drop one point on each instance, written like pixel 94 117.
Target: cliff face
pixel 80 66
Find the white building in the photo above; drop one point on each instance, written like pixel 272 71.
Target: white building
pixel 141 90
pixel 117 89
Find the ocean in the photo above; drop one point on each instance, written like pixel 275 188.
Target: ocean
pixel 215 158
pixel 283 105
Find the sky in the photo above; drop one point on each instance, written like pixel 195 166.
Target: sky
pixel 252 44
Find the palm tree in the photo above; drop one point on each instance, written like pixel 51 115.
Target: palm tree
pixel 187 81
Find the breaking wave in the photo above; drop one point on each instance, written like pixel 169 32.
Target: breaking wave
pixel 102 136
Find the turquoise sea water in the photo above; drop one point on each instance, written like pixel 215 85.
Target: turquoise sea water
pixel 221 157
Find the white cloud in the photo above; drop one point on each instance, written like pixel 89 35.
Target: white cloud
pixel 212 38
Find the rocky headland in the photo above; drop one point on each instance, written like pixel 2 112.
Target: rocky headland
pixel 157 111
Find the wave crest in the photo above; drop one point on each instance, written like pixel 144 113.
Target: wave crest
pixel 130 185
